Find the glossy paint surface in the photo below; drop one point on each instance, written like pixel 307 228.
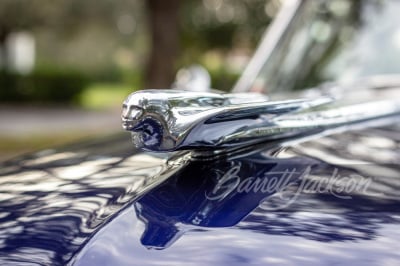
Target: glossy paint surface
pixel 104 203
pixel 52 202
pixel 177 224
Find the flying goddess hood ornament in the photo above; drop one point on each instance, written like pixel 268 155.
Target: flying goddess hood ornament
pixel 169 120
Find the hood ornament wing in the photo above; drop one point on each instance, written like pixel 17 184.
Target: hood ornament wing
pixel 169 120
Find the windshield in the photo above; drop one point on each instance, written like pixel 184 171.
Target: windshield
pixel 335 40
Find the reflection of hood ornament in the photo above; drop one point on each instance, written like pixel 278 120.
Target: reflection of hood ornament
pixel 168 120
pixel 212 195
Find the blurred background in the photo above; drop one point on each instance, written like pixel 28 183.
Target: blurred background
pixel 67 65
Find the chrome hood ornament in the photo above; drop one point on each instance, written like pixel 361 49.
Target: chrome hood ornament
pixel 169 120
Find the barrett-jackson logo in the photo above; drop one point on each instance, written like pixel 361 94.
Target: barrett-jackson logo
pixel 289 184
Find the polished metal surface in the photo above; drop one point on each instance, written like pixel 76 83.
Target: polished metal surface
pixel 167 120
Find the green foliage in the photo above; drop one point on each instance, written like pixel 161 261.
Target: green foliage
pixel 104 95
pixel 42 86
pixel 222 24
pixel 222 79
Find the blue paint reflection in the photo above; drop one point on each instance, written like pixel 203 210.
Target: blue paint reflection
pixel 176 223
pixel 266 194
pixel 216 194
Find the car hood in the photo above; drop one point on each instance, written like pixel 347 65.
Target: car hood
pixel 327 200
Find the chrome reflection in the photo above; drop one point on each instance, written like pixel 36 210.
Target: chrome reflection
pixel 172 120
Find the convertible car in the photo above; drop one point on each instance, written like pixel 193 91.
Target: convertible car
pixel 297 165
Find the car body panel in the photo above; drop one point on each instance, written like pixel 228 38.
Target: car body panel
pixel 53 201
pixel 105 202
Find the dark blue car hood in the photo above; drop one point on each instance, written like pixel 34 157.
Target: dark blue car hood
pixel 328 200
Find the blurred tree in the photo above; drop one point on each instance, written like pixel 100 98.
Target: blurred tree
pixel 164 27
pixel 198 26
